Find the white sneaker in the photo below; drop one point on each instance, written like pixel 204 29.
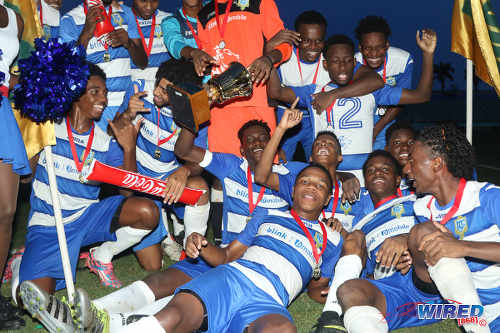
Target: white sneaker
pixel 54 314
pixel 171 248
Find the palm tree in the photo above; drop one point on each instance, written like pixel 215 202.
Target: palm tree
pixel 442 72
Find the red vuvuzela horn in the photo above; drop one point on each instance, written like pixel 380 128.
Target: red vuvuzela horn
pixel 101 172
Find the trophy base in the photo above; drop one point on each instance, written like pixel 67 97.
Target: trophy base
pixel 190 105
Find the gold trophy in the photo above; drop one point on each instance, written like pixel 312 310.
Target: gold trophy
pixel 191 104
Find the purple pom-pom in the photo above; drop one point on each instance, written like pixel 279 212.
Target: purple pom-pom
pixel 51 78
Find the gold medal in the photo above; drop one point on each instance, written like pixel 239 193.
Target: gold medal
pixel 106 57
pixel 222 44
pixel 157 153
pixel 316 272
pixel 82 179
pixel 247 219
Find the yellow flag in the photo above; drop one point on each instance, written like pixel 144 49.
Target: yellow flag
pixel 475 35
pixel 35 136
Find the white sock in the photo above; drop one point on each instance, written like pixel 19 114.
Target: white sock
pixel 127 299
pixel 153 308
pixel 125 238
pixel 195 219
pixel 147 324
pixel 14 282
pixel 453 279
pixel 117 321
pixel 178 227
pixel 348 267
pixel 363 319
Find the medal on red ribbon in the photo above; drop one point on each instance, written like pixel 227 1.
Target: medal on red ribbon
pixel 162 141
pixel 316 274
pixel 148 47
pixel 221 26
pixel 79 165
pixel 251 205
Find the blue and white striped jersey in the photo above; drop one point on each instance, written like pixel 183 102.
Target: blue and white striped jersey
pixel 159 52
pixel 232 172
pixel 477 220
pixel 147 140
pixel 115 61
pixel 280 259
pixel 392 218
pixel 351 120
pixel 398 73
pixel 343 212
pixel 75 197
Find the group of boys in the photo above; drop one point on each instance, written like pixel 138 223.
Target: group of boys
pixel 363 252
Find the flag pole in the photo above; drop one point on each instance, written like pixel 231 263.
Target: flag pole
pixel 61 236
pixel 469 90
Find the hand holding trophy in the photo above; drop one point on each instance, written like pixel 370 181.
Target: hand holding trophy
pixel 191 104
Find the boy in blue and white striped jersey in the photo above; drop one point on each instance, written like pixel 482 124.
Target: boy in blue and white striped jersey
pixel 149 19
pixel 86 218
pixel 155 158
pixel 79 25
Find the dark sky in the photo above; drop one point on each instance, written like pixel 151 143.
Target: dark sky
pixel 404 17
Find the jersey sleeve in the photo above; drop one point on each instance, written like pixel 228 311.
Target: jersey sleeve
pixel 220 165
pixel 172 37
pixel 270 20
pixel 114 157
pixel 248 234
pixel 490 198
pixel 388 95
pixel 406 76
pixel 132 28
pixel 68 31
pixel 304 94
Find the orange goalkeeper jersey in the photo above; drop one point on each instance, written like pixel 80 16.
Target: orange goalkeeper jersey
pixel 249 22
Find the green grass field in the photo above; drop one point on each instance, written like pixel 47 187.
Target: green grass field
pixel 303 310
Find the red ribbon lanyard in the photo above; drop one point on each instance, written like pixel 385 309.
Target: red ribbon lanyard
pixel 41 13
pixel 222 26
pixel 385 67
pixel 162 141
pixel 79 165
pixel 300 69
pixel 335 201
pixel 329 114
pixel 456 203
pixel 151 34
pixel 251 206
pixel 193 32
pixel 309 237
pixel 383 201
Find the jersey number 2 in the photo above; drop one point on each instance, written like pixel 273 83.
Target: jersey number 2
pixel 346 122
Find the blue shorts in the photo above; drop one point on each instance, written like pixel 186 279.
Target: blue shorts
pixel 232 301
pixel 42 257
pixel 402 297
pixel 192 267
pixel 161 231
